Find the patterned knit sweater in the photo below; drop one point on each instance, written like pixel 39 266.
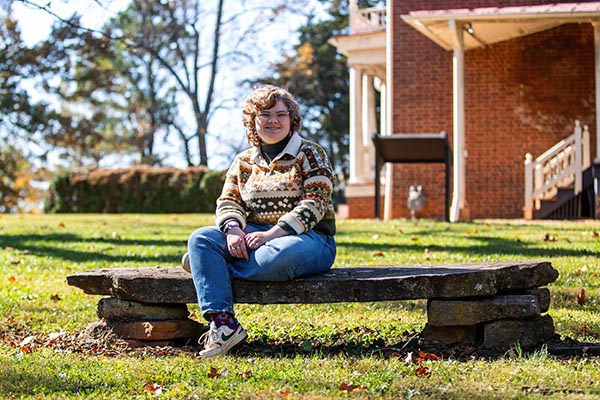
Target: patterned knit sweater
pixel 293 191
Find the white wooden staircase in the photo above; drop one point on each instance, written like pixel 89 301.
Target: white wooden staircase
pixel 556 177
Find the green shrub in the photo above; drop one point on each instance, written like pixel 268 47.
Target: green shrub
pixel 140 189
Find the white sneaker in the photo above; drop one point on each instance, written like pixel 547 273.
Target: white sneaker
pixel 218 341
pixel 185 262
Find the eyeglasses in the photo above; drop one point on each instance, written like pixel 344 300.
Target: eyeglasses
pixel 279 115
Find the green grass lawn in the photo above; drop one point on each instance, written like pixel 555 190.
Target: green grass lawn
pixel 294 351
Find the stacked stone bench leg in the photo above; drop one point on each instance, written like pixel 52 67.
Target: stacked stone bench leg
pixel 147 324
pixel 495 305
pixel 493 322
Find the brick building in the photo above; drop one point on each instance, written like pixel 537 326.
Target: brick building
pixel 503 79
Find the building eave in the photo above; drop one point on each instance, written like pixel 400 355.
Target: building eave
pixel 490 25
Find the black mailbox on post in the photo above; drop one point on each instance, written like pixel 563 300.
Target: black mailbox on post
pixel 412 148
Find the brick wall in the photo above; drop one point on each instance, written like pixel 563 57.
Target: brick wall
pixel 431 177
pixel 521 96
pixel 362 207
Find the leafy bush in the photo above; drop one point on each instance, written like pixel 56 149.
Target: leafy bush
pixel 140 189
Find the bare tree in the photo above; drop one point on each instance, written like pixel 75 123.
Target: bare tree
pixel 193 54
pixel 175 56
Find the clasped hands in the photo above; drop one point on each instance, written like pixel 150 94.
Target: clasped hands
pixel 240 242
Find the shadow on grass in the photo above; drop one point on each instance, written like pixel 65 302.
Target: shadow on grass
pixel 45 246
pixel 485 246
pixel 563 348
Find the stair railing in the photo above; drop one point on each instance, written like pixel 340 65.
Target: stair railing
pixel 365 20
pixel 560 166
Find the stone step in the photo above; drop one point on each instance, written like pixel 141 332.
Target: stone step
pixel 472 312
pixel 156 330
pixel 527 333
pixel 541 293
pixel 110 308
pixel 341 284
pixel 499 334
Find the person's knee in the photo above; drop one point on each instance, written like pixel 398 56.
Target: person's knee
pixel 267 271
pixel 199 236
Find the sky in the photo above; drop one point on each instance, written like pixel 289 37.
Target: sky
pixel 36 23
pixel 226 129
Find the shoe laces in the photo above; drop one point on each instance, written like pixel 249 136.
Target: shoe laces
pixel 210 338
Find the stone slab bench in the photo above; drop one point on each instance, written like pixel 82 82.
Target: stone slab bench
pixel 490 304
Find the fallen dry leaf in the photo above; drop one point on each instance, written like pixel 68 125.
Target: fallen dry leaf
pixel 581 297
pixel 246 374
pixel 12 279
pixel 582 269
pixel 61 225
pixel 350 387
pixel 422 371
pixel 27 341
pixel 153 389
pixel 26 344
pixel 214 373
pixel 378 254
pixel 414 239
pixel 148 328
pixel 427 356
pixel 55 297
pixel 595 234
pixel 26 349
pixel 584 330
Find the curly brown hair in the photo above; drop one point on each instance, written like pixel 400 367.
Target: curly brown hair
pixel 262 99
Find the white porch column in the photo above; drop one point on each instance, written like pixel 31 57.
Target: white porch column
pixel 458 75
pixel 597 58
pixel 369 126
pixel 356 140
pixel 381 87
pixel 386 109
pixel 383 130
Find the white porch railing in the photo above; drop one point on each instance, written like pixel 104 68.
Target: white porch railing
pixel 561 166
pixel 364 20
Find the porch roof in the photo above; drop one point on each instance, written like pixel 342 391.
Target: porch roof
pixel 488 25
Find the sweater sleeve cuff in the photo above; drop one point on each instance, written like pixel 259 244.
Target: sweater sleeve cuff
pixel 286 227
pixel 224 223
pixel 291 221
pixel 230 217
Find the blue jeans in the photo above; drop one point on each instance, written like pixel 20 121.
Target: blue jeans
pixel 281 259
